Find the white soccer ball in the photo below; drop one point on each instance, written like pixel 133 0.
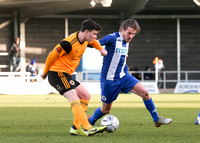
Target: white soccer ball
pixel 111 122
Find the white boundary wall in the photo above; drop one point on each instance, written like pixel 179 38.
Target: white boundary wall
pixel 26 88
pixel 19 87
pixel 187 87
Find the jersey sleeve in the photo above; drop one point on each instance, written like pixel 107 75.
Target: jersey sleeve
pixel 62 48
pixel 50 59
pixel 96 45
pixel 66 46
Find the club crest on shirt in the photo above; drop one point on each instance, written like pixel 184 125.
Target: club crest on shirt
pixel 58 49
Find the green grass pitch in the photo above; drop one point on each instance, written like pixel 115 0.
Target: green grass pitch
pixel 48 118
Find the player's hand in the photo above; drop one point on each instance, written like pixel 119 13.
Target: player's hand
pixel 43 76
pixel 103 52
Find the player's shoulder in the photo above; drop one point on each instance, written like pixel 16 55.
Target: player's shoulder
pixel 114 35
pixel 72 39
pixel 111 37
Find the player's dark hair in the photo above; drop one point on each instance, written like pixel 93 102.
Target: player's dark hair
pixel 130 23
pixel 90 25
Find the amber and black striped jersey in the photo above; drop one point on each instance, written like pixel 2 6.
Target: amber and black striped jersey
pixel 66 56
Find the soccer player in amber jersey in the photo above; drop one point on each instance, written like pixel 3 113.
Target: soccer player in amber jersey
pixel 62 62
pixel 115 76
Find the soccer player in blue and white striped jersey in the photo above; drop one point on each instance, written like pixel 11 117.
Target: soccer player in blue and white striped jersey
pixel 115 76
pixel 197 121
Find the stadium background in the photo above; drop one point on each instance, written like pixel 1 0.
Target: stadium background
pixel 158 36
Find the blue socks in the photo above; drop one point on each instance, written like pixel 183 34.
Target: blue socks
pixel 97 115
pixel 148 103
pixel 151 108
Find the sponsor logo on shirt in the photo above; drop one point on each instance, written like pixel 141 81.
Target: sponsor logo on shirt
pixel 121 51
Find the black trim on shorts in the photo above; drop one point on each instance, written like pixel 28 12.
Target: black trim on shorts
pixel 62 81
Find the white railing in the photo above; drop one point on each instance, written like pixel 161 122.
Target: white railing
pixel 4 54
pixel 22 83
pixel 18 76
pixel 93 76
pixel 172 76
pixel 167 77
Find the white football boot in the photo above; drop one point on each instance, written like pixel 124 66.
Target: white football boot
pixel 163 121
pixel 197 122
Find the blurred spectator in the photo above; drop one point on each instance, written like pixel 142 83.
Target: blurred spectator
pixel 148 76
pixel 161 68
pixel 15 55
pixel 136 75
pixel 32 68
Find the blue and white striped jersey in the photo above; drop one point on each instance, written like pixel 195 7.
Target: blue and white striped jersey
pixel 114 63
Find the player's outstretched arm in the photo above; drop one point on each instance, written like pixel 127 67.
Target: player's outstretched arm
pixel 51 57
pixel 97 46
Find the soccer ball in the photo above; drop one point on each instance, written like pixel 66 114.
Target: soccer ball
pixel 111 122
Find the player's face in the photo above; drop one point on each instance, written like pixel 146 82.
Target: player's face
pixel 128 34
pixel 91 35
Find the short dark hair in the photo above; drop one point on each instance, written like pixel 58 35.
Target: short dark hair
pixel 90 25
pixel 130 23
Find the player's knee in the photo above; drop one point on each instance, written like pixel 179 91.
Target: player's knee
pixel 106 111
pixel 88 97
pixel 145 96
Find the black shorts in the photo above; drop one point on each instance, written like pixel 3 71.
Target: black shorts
pixel 61 81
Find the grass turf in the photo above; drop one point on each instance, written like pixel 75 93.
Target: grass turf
pixel 48 118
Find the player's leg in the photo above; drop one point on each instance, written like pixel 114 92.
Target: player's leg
pixel 79 113
pixel 197 122
pixel 77 109
pixel 109 93
pixel 84 97
pixel 130 83
pixel 64 83
pixel 100 112
pixel 140 90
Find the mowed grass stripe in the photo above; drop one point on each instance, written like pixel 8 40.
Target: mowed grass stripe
pixel 124 100
pixel 48 118
pixel 52 124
